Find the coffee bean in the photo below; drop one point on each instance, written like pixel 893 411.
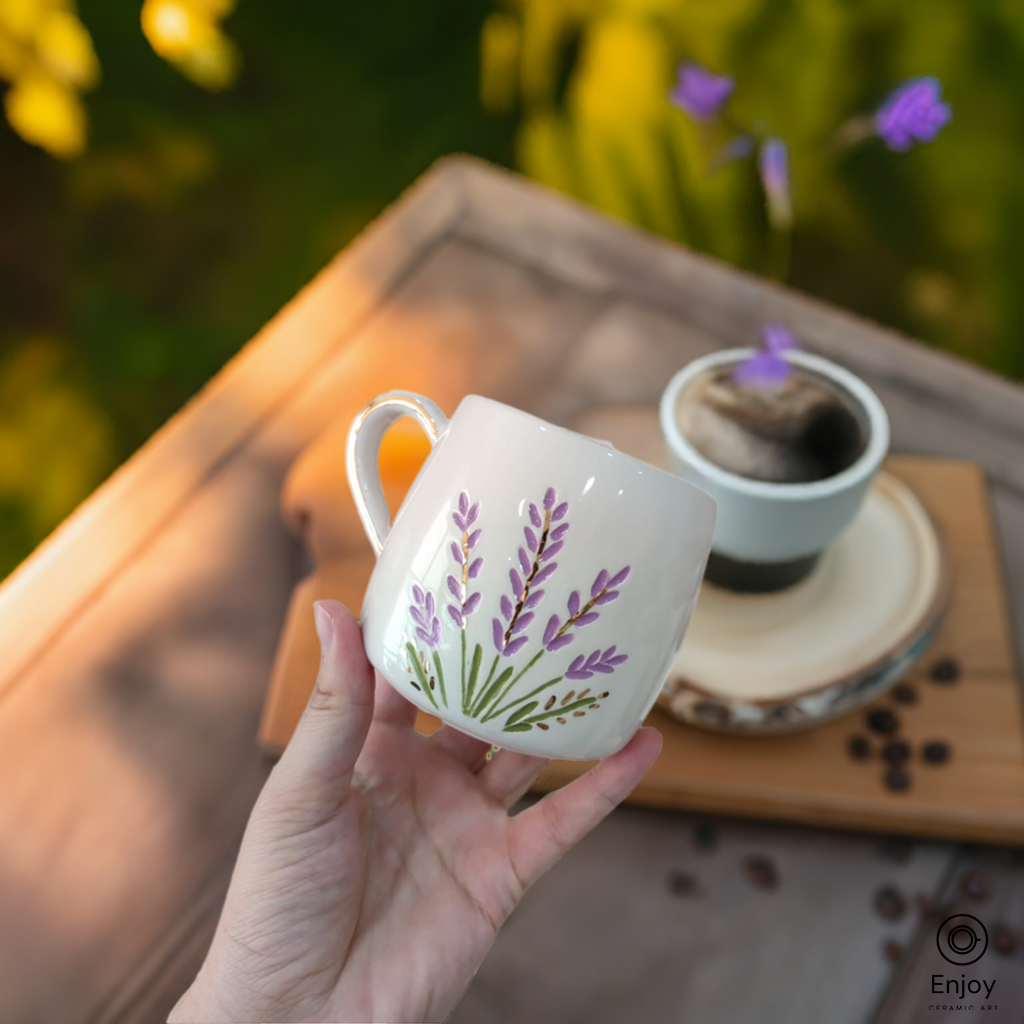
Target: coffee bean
pixel 761 872
pixel 882 720
pixel 896 850
pixel 893 951
pixel 859 748
pixel 904 693
pixel 1004 939
pixel 896 752
pixel 705 835
pixel 976 885
pixel 897 780
pixel 935 752
pixel 682 885
pixel 945 670
pixel 889 903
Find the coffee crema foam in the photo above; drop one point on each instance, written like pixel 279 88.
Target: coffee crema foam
pixel 799 431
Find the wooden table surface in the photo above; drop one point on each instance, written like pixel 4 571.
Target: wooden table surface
pixel 139 639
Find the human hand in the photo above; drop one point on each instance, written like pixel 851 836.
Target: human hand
pixel 379 863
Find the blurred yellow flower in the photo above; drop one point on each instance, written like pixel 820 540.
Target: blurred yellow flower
pixel 64 46
pixel 187 34
pixel 55 444
pixel 623 74
pixel 47 55
pixel 46 112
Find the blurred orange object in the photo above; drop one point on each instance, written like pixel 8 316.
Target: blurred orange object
pixel 316 501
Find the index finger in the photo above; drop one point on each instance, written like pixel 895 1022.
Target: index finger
pixel 539 836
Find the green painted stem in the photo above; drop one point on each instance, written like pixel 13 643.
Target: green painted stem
pixel 512 703
pixel 463 670
pixel 490 675
pixel 555 712
pixel 489 694
pixel 420 675
pixel 515 679
pixel 440 677
pixel 474 675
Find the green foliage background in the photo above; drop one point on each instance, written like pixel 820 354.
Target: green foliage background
pixel 130 275
pixel 929 241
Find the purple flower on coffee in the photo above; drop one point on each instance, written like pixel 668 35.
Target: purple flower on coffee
pixel 558 634
pixel 912 113
pixel 544 537
pixel 773 163
pixel 768 367
pixel 469 566
pixel 583 667
pixel 424 614
pixel 699 92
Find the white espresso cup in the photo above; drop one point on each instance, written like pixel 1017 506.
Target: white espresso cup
pixel 535 585
pixel 770 535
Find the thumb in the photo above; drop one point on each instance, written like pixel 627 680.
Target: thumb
pixel 315 769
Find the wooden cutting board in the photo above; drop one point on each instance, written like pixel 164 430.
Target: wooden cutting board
pixel 809 777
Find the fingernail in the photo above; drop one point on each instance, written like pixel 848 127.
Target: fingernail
pixel 324 626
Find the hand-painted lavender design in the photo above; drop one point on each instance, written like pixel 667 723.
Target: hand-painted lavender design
pixel 423 613
pixel 583 667
pixel 537 568
pixel 602 591
pixel 544 537
pixel 469 567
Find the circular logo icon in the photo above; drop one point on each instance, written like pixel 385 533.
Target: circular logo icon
pixel 962 939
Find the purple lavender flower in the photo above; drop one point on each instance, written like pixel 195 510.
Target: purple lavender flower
pixel 603 591
pixel 767 367
pixel 912 113
pixel 773 163
pixel 583 667
pixel 542 542
pixel 469 566
pixel 424 614
pixel 699 92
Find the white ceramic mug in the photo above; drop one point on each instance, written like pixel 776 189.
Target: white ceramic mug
pixel 535 585
pixel 779 524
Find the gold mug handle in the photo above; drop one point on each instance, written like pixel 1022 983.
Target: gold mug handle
pixel 362 453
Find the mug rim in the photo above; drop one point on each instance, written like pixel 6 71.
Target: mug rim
pixel 865 466
pixel 672 478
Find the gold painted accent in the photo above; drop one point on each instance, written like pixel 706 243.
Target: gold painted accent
pixel 533 572
pixel 583 611
pixel 568 697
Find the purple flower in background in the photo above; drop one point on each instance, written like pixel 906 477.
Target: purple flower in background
pixel 773 162
pixel 768 366
pixel 602 592
pixel 913 113
pixel 699 92
pixel 544 538
pixel 468 566
pixel 583 667
pixel 424 614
